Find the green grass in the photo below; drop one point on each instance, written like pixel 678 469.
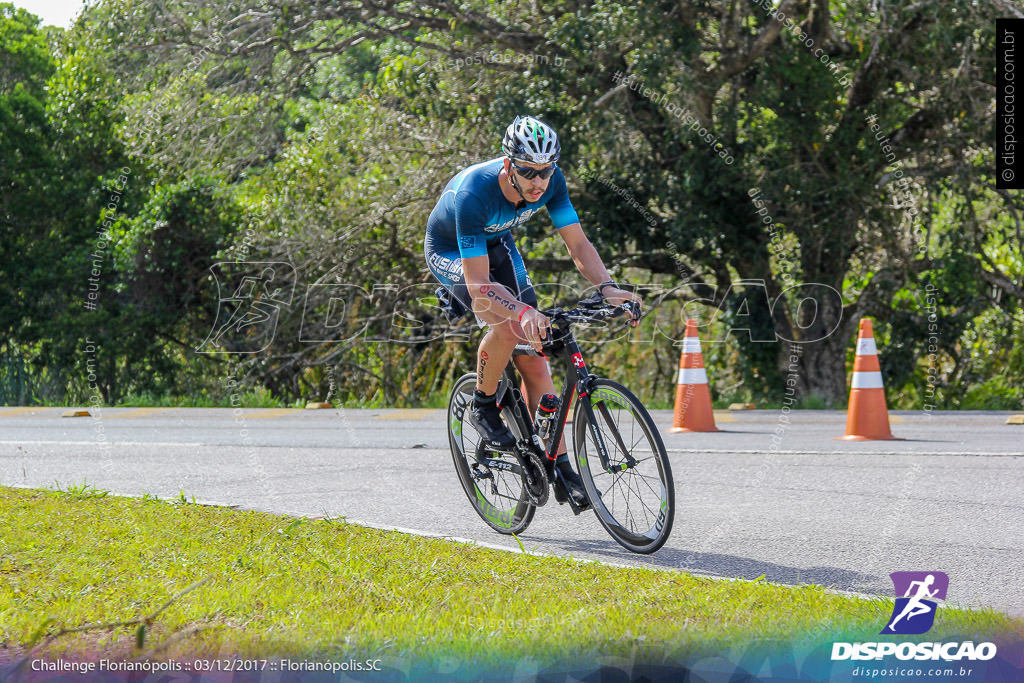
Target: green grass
pixel 260 398
pixel 255 399
pixel 812 402
pixel 281 586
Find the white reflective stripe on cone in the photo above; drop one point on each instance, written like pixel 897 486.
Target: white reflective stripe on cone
pixel 867 380
pixel 693 376
pixel 866 347
pixel 691 345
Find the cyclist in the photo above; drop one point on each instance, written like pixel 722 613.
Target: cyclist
pixel 470 250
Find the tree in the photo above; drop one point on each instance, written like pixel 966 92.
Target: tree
pixel 713 100
pixel 27 172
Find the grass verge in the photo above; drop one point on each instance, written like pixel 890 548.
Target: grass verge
pixel 274 585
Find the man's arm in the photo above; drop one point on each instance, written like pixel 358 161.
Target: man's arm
pixel 494 303
pixel 589 263
pixel 584 255
pixel 489 296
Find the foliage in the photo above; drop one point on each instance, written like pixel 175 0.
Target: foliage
pixel 27 170
pixel 322 135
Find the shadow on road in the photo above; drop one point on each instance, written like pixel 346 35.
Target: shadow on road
pixel 726 566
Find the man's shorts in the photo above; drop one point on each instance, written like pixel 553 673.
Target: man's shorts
pixel 507 269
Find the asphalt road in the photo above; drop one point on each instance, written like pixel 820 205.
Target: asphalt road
pixel 840 514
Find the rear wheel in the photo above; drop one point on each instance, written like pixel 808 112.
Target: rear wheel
pixel 497 495
pixel 634 497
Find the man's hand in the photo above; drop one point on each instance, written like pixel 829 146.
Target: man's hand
pixel 616 296
pixel 536 327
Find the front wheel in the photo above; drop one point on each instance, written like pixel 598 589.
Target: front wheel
pixel 633 494
pixel 499 496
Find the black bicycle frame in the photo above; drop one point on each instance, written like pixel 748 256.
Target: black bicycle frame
pixel 577 381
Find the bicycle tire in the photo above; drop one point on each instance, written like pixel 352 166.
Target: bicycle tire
pixel 507 489
pixel 647 532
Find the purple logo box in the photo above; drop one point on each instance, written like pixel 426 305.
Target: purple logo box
pixel 939 584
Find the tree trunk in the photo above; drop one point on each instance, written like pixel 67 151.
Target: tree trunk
pixel 823 353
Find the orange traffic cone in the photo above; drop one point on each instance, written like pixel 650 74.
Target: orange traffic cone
pixel 693 398
pixel 867 418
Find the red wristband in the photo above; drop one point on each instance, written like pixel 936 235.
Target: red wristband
pixel 523 311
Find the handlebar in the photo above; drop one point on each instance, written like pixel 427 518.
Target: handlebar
pixel 590 310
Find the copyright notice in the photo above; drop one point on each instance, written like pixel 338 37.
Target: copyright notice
pixel 200 666
pixel 1009 160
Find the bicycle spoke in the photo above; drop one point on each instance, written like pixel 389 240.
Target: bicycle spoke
pixel 613 490
pixel 639 498
pixel 638 440
pixel 644 479
pixel 502 495
pixel 632 513
pixel 507 488
pixel 617 487
pixel 647 508
pixel 632 510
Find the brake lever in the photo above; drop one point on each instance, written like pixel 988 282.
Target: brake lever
pixel 632 307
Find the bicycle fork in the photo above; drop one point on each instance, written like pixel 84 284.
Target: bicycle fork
pixel 585 384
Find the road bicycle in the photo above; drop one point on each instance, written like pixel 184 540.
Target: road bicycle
pixel 619 453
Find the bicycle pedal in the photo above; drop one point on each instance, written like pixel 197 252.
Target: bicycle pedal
pixel 563 496
pixel 577 508
pixel 574 506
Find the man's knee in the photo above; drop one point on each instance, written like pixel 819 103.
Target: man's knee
pixel 491 317
pixel 533 366
pixel 504 331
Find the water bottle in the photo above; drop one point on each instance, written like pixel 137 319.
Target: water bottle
pixel 545 419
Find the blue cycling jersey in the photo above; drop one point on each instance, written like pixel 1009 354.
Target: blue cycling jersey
pixel 472 210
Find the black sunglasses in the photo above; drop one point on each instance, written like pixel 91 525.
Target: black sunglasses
pixel 531 173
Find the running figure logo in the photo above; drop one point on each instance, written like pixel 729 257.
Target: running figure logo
pixel 914 612
pixel 250 298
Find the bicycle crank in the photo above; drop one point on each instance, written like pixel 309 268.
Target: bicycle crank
pixel 533 476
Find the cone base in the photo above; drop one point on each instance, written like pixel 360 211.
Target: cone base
pixel 867 417
pixel 693 411
pixel 679 430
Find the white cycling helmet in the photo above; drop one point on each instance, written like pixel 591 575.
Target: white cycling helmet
pixel 531 140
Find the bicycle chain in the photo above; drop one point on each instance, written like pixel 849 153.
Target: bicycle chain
pixel 538 473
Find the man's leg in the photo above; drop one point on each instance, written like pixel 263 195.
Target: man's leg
pixel 495 348
pixel 537 378
pixel 537 382
pixel 494 353
pixel 492 357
